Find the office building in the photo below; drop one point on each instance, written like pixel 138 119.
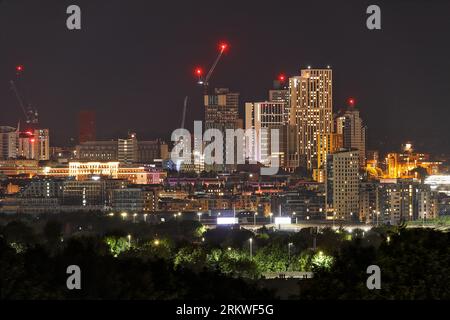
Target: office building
pixel 342 185
pixel 8 142
pixel 262 118
pixel 221 112
pixel 127 149
pixel 350 125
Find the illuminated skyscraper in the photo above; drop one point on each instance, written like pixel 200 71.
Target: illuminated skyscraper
pixel 263 117
pixel 221 112
pixel 8 143
pixel 350 125
pixel 34 144
pixel 342 184
pixel 311 111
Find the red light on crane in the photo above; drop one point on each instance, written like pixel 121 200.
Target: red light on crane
pixel 281 77
pixel 19 68
pixel 351 102
pixel 198 72
pixel 223 46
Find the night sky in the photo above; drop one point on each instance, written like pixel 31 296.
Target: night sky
pixel 133 61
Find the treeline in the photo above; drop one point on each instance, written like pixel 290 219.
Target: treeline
pixel 183 260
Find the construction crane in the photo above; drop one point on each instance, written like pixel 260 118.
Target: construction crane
pixel 183 119
pixel 30 113
pixel 204 81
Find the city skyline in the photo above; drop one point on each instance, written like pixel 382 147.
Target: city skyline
pixel 224 153
pixel 140 80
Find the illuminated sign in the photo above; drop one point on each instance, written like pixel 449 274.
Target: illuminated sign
pixel 227 220
pixel 283 220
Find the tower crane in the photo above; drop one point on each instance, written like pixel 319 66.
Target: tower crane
pixel 30 113
pixel 204 81
pixel 184 112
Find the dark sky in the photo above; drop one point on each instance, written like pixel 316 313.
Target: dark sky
pixel 133 61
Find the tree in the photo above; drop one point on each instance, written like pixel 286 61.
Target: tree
pixel 53 232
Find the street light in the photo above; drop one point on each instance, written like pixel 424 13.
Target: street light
pixel 251 248
pixel 199 214
pixel 145 217
pixel 294 214
pixel 124 215
pixel 156 242
pixel 271 215
pixel 134 217
pixel 254 218
pixel 334 218
pixel 129 240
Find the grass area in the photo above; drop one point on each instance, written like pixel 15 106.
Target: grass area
pixel 441 221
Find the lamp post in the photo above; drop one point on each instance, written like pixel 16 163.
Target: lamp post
pixel 134 217
pixel 145 217
pixel 199 214
pixel 251 248
pixel 334 218
pixel 294 214
pixel 254 218
pixel 378 217
pixel 129 240
pixel 271 215
pixel 123 215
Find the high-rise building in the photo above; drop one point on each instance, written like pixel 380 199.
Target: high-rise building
pixel 127 151
pixel 42 144
pixel 342 184
pixel 8 142
pixel 350 125
pixel 262 118
pixel 311 111
pixel 400 200
pixel 34 144
pixel 221 112
pixel 279 92
pixel 86 125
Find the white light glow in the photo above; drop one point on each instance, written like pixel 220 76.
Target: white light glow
pixel 227 220
pixel 283 220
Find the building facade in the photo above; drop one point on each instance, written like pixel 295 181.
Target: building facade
pixel 311 111
pixel 342 185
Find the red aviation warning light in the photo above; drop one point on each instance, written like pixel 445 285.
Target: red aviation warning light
pixel 223 46
pixel 198 72
pixel 19 69
pixel 351 102
pixel 281 78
